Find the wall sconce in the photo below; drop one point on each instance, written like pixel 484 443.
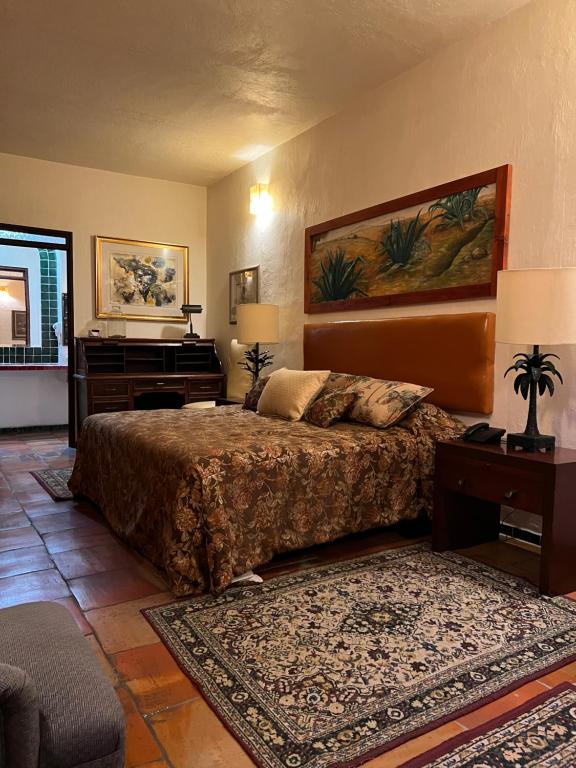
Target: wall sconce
pixel 260 200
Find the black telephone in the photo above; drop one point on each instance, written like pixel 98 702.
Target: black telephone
pixel 483 433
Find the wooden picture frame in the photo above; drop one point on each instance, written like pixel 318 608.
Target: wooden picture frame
pixel 244 288
pixel 20 320
pixel 444 243
pixel 139 280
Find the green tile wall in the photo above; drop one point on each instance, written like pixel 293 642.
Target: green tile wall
pixel 49 299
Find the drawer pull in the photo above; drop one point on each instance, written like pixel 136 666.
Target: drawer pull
pixel 460 483
pixel 160 383
pixel 511 493
pixel 206 387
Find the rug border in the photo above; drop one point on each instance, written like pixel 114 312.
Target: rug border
pixel 444 749
pixel 46 487
pixel 398 741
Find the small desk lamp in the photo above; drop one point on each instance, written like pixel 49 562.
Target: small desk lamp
pixel 257 324
pixel 189 310
pixel 536 307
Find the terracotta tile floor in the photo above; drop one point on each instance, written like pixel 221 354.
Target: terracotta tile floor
pixel 64 551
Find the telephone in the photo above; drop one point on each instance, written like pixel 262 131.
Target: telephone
pixel 483 433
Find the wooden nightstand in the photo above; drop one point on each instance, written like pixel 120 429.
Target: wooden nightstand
pixel 472 481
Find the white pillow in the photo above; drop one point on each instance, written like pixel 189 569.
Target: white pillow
pixel 288 393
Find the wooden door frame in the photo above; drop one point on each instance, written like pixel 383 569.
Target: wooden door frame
pixel 68 247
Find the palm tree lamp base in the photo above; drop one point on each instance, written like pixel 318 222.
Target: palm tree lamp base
pixel 530 443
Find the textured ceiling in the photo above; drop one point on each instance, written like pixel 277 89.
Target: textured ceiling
pixel 189 90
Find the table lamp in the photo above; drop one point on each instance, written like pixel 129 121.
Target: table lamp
pixel 257 324
pixel 189 310
pixel 535 307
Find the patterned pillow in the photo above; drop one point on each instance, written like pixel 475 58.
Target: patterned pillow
pixel 329 408
pixel 252 397
pixel 384 403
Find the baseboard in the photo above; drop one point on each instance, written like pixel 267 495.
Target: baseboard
pixel 43 428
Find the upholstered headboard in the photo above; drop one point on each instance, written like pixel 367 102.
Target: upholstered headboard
pixel 452 353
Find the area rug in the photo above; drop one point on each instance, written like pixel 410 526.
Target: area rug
pixel 333 666
pixel 55 482
pixel 541 733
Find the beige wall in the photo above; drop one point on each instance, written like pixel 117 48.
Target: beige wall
pixel 506 96
pixel 89 202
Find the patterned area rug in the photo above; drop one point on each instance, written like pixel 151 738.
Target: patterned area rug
pixel 335 665
pixel 55 482
pixel 540 733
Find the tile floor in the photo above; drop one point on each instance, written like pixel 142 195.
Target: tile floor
pixel 63 551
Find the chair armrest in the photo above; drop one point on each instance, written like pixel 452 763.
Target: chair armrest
pixel 19 719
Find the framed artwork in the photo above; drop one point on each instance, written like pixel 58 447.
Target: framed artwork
pixel 19 325
pixel 444 243
pixel 243 289
pixel 137 280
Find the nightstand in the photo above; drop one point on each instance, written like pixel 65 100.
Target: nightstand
pixel 472 481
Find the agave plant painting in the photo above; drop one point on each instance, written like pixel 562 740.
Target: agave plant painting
pixel 443 243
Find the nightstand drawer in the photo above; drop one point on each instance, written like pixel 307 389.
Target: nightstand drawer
pixel 493 482
pixel 109 388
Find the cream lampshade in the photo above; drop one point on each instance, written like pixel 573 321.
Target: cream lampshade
pixel 257 324
pixel 535 307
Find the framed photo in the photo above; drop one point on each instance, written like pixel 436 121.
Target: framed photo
pixel 19 325
pixel 137 280
pixel 243 289
pixel 444 243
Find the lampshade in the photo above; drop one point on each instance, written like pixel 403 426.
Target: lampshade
pixel 536 306
pixel 257 323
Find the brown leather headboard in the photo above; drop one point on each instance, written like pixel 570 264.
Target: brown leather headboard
pixel 452 353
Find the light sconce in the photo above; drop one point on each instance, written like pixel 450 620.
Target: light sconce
pixel 260 200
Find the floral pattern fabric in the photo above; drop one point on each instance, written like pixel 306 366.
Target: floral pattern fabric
pixel 380 403
pixel 543 735
pixel 253 395
pixel 328 409
pixel 207 495
pixel 324 667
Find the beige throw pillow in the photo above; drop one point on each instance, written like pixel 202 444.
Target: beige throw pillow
pixel 288 393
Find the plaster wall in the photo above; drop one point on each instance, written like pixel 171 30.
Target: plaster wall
pixel 507 95
pixel 90 202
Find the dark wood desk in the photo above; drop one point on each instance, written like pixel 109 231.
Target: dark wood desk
pixel 473 480
pixel 128 374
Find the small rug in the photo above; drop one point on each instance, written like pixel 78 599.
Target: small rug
pixel 541 733
pixel 55 482
pixel 335 665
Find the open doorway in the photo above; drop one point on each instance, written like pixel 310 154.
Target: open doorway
pixel 36 303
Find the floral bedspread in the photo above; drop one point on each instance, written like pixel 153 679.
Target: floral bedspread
pixel 207 495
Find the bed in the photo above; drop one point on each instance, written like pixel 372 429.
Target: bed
pixel 207 495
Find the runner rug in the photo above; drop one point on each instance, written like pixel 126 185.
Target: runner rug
pixel 540 733
pixel 55 482
pixel 335 665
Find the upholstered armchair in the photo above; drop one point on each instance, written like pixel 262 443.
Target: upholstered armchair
pixel 57 707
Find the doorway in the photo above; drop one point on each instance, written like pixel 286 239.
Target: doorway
pixel 36 304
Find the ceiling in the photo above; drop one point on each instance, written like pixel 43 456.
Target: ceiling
pixel 190 90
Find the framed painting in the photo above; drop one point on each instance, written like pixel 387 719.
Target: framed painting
pixel 20 325
pixel 444 243
pixel 138 280
pixel 244 289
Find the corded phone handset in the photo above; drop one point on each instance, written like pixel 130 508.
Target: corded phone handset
pixel 483 433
